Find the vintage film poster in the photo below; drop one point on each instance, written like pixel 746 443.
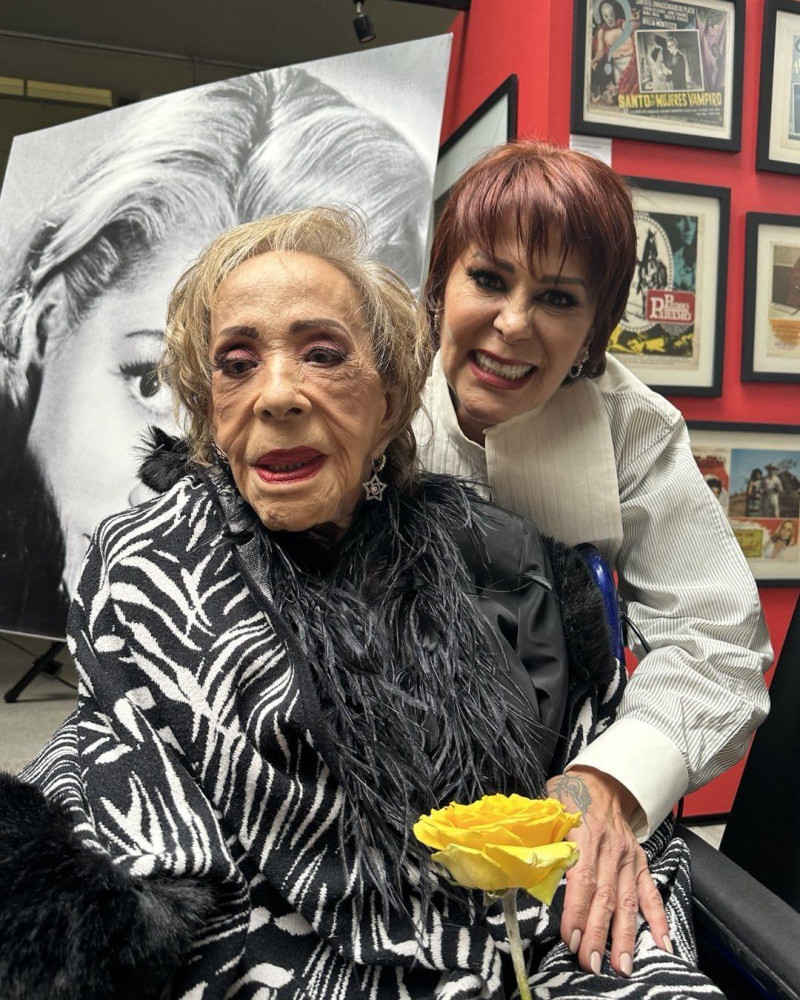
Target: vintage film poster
pixel 715 466
pixel 776 320
pixel 784 307
pixel 660 65
pixel 659 319
pixel 757 482
pixel 784 132
pixel 667 334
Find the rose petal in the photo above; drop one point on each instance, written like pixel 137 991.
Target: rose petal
pixel 546 889
pixel 428 833
pixel 472 869
pixel 526 868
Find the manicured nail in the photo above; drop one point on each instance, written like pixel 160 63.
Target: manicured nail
pixel 575 941
pixel 666 944
pixel 595 962
pixel 625 964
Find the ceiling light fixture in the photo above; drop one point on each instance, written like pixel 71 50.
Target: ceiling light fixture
pixel 363 24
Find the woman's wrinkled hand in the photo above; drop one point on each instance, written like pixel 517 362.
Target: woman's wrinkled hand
pixel 611 882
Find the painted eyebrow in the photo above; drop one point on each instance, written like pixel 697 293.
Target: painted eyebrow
pixel 504 265
pixel 299 326
pixel 145 333
pixel 507 266
pixel 562 279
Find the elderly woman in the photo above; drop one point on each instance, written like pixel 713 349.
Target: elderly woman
pixel 84 298
pixel 530 272
pixel 286 657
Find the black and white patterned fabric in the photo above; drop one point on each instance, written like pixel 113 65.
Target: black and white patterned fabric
pixel 197 757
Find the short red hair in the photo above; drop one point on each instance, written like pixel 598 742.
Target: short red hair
pixel 548 192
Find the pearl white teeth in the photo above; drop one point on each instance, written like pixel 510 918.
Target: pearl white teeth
pixel 496 368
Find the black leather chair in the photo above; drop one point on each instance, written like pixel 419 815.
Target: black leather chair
pixel 770 784
pixel 748 939
pixel 747 895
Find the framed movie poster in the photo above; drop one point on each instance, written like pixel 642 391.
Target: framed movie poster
pixel 662 70
pixel 491 124
pixel 771 337
pixel 778 146
pixel 671 333
pixel 754 471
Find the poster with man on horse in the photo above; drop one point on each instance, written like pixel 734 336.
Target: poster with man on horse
pixel 673 328
pixel 659 319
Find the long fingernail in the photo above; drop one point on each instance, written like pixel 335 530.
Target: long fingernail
pixel 595 962
pixel 625 964
pixel 666 944
pixel 575 941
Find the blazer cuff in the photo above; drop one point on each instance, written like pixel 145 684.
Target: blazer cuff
pixel 648 764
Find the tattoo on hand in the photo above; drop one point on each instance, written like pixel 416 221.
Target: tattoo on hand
pixel 568 785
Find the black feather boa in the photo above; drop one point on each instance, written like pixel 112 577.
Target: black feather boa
pixel 103 933
pixel 406 671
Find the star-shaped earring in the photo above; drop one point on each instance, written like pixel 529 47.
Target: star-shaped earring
pixel 374 486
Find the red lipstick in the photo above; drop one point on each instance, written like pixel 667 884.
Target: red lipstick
pixel 288 465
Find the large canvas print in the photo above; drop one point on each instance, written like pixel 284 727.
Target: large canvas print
pixel 98 219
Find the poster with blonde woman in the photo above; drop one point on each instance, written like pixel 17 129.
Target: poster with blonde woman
pixel 100 217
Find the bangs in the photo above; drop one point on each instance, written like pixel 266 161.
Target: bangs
pixel 540 212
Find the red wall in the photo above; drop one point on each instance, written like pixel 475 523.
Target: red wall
pixel 534 40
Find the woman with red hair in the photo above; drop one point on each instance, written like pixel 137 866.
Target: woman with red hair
pixel 530 272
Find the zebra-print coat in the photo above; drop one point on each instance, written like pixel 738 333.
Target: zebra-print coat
pixel 181 835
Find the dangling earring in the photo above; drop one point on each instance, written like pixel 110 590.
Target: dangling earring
pixel 374 486
pixel 435 324
pixel 577 368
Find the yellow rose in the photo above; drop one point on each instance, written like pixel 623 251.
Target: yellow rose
pixel 502 842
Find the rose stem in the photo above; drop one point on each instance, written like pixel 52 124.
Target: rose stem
pixel 514 940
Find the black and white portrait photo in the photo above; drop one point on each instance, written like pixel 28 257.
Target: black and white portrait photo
pixel 100 217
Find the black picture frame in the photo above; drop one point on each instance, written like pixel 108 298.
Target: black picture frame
pixel 776 152
pixel 676 345
pixel 492 122
pixel 607 101
pixel 731 453
pixel 771 328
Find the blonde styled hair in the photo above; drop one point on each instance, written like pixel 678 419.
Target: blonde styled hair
pixel 397 327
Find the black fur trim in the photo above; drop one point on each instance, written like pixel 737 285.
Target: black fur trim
pixel 74 926
pixel 165 460
pixel 580 599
